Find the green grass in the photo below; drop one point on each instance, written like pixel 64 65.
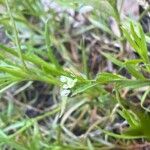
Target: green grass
pixel 86 107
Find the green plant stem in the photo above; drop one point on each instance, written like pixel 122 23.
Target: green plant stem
pixel 84 59
pixel 118 20
pixel 16 35
pixel 30 122
pixel 48 44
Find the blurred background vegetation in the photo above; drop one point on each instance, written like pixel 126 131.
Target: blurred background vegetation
pixel 74 74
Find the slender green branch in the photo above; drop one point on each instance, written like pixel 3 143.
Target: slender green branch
pixel 16 35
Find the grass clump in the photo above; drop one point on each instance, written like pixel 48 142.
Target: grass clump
pixel 69 79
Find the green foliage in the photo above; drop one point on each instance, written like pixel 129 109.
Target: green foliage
pixel 71 83
pixel 137 40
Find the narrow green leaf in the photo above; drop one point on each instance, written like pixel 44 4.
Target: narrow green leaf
pixel 14 71
pixel 82 88
pixel 48 44
pixel 144 50
pixel 100 26
pixel 108 78
pixel 16 35
pixel 133 84
pixel 132 70
pixel 113 59
pixel 129 38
